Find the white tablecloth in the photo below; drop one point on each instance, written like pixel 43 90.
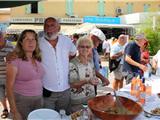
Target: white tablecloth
pixel 154 81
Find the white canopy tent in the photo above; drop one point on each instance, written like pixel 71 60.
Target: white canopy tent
pixel 80 29
pixel 18 28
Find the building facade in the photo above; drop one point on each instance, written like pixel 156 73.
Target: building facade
pixel 81 8
pixel 75 12
pixel 4 19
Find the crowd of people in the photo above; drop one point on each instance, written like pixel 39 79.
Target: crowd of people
pixel 49 70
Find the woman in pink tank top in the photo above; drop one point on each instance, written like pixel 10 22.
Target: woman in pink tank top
pixel 24 77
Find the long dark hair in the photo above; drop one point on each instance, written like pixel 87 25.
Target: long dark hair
pixel 19 49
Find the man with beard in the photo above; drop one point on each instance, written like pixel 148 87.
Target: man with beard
pixel 56 50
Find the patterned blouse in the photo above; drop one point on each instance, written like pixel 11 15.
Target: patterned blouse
pixel 78 72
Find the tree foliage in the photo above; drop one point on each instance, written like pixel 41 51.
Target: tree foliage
pixel 151 28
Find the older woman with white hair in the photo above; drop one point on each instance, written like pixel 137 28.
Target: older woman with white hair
pixel 82 77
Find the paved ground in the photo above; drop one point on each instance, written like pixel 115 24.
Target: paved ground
pixel 101 90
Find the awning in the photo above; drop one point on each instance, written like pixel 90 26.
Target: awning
pixel 18 28
pixel 15 3
pixel 66 28
pixel 84 28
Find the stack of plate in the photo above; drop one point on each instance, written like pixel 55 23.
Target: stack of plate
pixel 44 114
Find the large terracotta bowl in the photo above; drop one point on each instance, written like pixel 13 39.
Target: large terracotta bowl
pixel 100 103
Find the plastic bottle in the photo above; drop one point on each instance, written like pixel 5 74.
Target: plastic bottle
pixel 142 92
pixel 148 89
pixel 139 82
pixel 63 115
pixel 147 73
pixel 84 113
pixel 133 86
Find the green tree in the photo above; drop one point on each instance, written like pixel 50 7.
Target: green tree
pixel 151 28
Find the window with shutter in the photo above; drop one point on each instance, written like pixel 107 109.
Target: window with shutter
pixel 28 9
pixel 101 8
pixel 129 8
pixel 146 7
pixel 40 7
pixel 69 7
pixel 34 7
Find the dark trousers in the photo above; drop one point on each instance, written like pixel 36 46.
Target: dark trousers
pixel 58 100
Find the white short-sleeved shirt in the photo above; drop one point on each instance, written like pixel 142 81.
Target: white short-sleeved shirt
pixel 115 49
pixel 156 57
pixel 56 63
pixel 106 46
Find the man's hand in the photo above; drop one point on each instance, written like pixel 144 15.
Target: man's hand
pixel 105 82
pixel 143 67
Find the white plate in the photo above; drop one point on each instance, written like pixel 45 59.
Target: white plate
pixel 43 114
pixel 151 106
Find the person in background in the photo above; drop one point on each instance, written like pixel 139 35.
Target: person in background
pixel 117 52
pixel 113 40
pixel 82 77
pixel 156 63
pixel 145 59
pixel 5 48
pixel 132 58
pixel 24 77
pixel 56 51
pixel 145 54
pixel 97 36
pixel 106 49
pixel 75 37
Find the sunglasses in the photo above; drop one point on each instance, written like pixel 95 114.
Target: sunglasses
pixel 83 46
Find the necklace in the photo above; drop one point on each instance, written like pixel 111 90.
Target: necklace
pixel 85 64
pixel 87 72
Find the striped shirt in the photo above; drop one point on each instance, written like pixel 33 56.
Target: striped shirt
pixel 3 52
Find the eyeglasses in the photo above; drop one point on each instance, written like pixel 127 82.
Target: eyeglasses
pixel 83 46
